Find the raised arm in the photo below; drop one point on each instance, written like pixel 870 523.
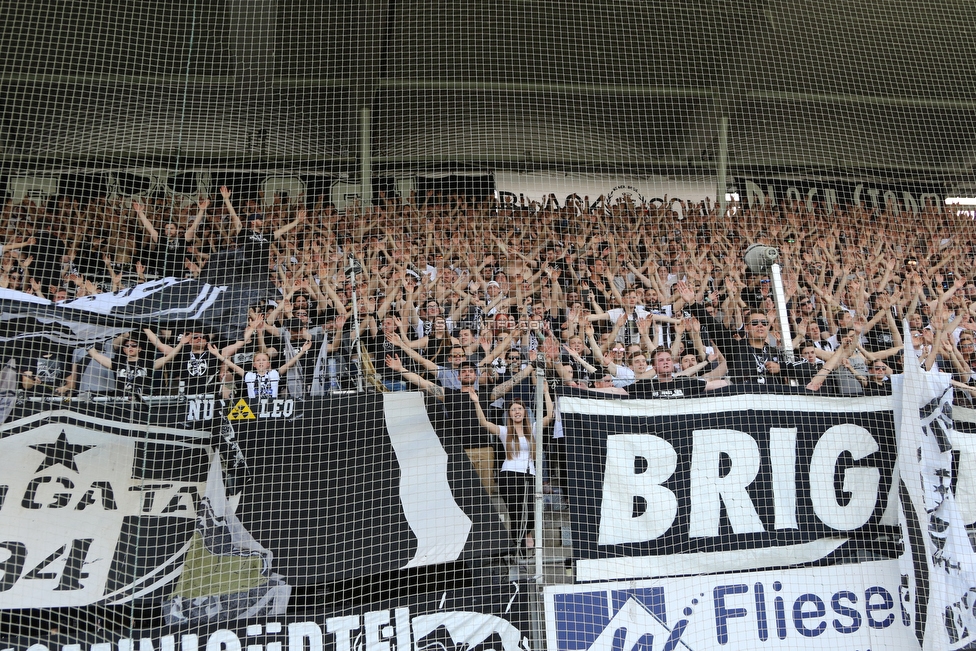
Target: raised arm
pixel 596 349
pixel 393 362
pixel 168 357
pixel 294 360
pixel 300 216
pixel 165 349
pixel 413 354
pixel 99 357
pixel 249 331
pixel 141 214
pixel 550 406
pixel 500 348
pixel 191 232
pixel 334 297
pixel 18 245
pixel 234 367
pixel 506 386
pixel 234 218
pixel 841 354
pixel 491 427
pixel 589 367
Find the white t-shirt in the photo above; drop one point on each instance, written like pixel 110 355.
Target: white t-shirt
pixel 523 461
pixel 262 386
pixel 628 333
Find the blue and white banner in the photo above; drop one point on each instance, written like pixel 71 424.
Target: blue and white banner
pixel 863 606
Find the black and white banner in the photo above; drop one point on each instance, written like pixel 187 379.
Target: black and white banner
pixel 97 511
pixel 492 616
pixel 833 194
pixel 360 485
pixel 964 447
pixel 766 522
pixel 94 510
pixel 99 507
pixel 730 483
pixel 220 309
pixel 931 468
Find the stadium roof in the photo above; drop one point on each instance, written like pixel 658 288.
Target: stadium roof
pixel 836 86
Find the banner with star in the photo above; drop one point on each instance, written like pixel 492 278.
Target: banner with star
pixel 99 502
pixel 77 492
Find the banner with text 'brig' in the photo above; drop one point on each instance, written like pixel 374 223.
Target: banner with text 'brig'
pixel 730 483
pixel 777 510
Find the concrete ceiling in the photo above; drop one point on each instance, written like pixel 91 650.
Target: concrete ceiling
pixel 835 86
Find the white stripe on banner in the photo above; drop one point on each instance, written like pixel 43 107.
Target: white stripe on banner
pixel 106 302
pixel 439 524
pixel 14 295
pixel 635 567
pixel 723 404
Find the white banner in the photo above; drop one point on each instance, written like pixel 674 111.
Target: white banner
pixel 537 186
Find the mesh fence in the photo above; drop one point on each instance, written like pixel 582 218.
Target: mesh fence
pixel 390 326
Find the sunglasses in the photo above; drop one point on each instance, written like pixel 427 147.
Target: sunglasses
pixel 759 322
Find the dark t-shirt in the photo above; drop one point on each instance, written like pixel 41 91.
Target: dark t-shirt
pixel 678 387
pixel 802 371
pixel 132 376
pixel 460 419
pixel 878 338
pixel 378 347
pixel 50 369
pixel 748 363
pixel 255 254
pixel 875 389
pixel 712 329
pixel 48 252
pixel 167 257
pixel 88 262
pixel 199 373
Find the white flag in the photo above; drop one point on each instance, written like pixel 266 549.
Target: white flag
pixel 923 403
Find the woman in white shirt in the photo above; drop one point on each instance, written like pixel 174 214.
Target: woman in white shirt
pixel 262 381
pixel 515 481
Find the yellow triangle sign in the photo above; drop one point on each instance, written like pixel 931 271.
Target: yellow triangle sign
pixel 241 411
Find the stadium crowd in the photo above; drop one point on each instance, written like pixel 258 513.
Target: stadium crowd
pixel 643 300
